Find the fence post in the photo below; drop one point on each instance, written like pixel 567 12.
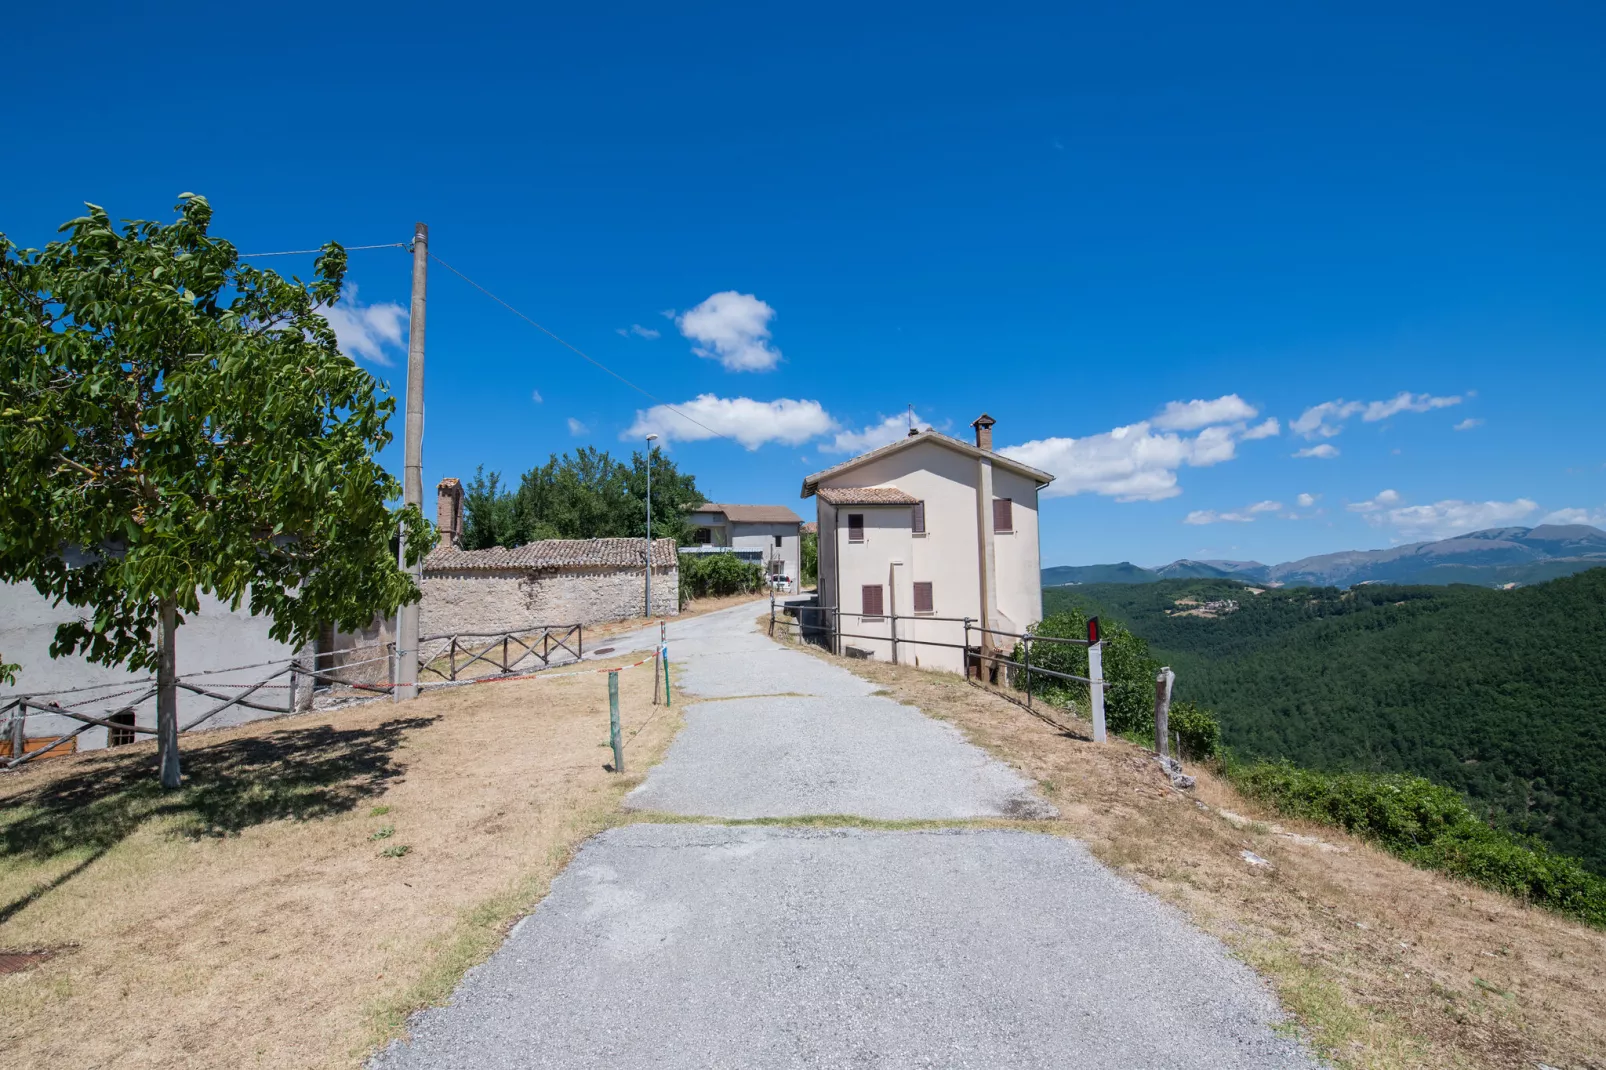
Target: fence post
pixel 892 630
pixel 504 655
pixel 1026 645
pixel 1162 710
pixel 1095 689
pixel 772 613
pixel 453 655
pixel 613 722
pixel 964 649
pixel 668 700
pixel 18 735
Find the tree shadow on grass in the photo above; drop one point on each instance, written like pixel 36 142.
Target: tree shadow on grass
pixel 301 774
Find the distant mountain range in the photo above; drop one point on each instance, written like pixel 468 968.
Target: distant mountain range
pixel 1491 557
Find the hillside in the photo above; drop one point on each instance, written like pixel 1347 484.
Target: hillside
pixel 1495 693
pixel 1493 557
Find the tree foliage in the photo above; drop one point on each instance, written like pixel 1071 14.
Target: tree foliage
pixel 176 422
pixel 584 495
pixel 1495 694
pixel 714 575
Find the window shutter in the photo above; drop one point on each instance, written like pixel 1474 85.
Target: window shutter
pixel 918 522
pixel 923 602
pixel 1003 514
pixel 855 527
pixel 872 600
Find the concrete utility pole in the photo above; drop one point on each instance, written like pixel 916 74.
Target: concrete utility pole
pixel 650 440
pixel 413 465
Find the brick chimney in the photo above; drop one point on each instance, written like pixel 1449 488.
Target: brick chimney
pixel 984 432
pixel 449 511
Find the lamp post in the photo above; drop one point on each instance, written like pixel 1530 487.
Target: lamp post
pixel 650 440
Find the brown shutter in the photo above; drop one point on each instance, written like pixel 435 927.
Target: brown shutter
pixel 855 527
pixel 918 522
pixel 923 602
pixel 872 600
pixel 1003 514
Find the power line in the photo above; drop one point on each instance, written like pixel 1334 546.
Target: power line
pixel 583 355
pixel 348 248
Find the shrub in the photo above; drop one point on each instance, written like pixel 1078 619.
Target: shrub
pixel 1199 730
pixel 1430 826
pixel 712 575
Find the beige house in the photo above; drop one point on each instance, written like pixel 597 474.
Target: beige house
pixel 930 530
pixel 766 535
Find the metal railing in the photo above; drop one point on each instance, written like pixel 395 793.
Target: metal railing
pixel 983 658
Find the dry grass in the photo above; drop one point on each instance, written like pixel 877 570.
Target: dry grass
pixel 1384 965
pixel 254 919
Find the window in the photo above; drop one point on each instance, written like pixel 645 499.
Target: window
pixel 872 600
pixel 703 536
pixel 777 540
pixel 917 522
pixel 1003 516
pixel 120 737
pixel 855 527
pixel 923 600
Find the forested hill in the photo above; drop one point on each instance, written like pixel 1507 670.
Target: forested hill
pixel 1500 694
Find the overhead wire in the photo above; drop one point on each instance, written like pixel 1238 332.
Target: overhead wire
pixel 348 248
pixel 578 351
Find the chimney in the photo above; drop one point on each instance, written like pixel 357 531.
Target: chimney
pixel 984 432
pixel 449 511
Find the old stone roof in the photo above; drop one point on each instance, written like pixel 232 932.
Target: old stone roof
pixel 553 554
pixel 865 496
pixel 812 483
pixel 751 514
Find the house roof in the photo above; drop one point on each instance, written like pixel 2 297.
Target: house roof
pixel 811 527
pixel 552 554
pixel 865 496
pixel 751 514
pixel 812 483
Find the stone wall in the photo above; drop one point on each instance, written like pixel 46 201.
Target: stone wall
pixel 487 600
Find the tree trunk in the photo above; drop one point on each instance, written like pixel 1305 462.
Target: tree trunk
pixel 167 696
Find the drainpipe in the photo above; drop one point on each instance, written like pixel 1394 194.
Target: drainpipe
pixel 985 565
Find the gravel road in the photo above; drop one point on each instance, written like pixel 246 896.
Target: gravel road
pixel 708 945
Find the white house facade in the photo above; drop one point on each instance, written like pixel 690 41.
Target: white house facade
pixel 767 535
pixel 932 530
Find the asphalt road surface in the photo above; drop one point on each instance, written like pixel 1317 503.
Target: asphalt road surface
pixel 710 945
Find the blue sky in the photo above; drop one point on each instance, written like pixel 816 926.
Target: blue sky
pixel 1071 222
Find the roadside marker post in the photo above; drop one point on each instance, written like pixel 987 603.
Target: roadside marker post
pixel 613 722
pixel 1095 674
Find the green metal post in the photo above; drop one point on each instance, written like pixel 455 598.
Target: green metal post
pixel 667 702
pixel 613 723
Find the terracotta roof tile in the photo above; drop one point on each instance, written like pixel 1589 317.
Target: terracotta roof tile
pixel 865 496
pixel 553 554
pixel 751 514
pixel 811 483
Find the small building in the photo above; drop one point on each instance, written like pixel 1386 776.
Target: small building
pixel 767 535
pixel 922 533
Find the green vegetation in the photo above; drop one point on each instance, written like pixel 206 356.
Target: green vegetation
pixel 809 551
pixel 1430 826
pixel 713 575
pixel 1498 695
pixel 175 422
pixel 1129 674
pixel 584 495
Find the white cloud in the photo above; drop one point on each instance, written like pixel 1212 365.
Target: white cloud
pixel 1327 419
pixel 732 328
pixel 1595 518
pixel 889 430
pixel 364 331
pixel 1270 429
pixel 576 428
pixel 1265 507
pixel 535 396
pixel 1192 415
pixel 1469 423
pixel 1210 516
pixel 1307 500
pixel 639 331
pixel 1441 519
pixel 752 423
pixel 1405 401
pixel 1129 463
pixel 1325 450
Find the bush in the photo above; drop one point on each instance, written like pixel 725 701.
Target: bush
pixel 1199 730
pixel 712 575
pixel 1430 826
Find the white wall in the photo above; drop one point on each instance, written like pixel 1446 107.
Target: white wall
pixel 1018 571
pixel 745 536
pixel 214 638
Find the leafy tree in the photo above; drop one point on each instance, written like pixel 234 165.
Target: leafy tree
pixel 810 552
pixel 584 495
pixel 177 422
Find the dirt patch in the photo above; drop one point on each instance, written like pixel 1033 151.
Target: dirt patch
pixel 1385 965
pixel 317 878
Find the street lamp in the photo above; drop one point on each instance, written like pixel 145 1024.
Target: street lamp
pixel 650 440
